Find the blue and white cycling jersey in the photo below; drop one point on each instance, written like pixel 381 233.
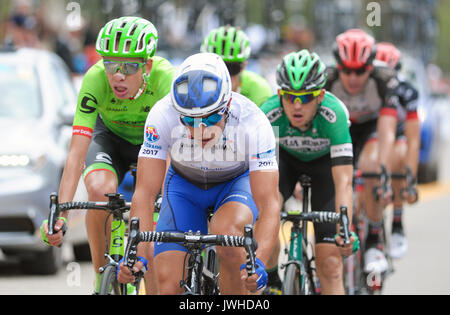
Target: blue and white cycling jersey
pixel 247 143
pixel 206 178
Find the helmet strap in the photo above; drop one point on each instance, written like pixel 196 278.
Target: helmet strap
pixel 142 88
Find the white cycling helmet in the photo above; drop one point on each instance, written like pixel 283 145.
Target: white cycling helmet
pixel 202 85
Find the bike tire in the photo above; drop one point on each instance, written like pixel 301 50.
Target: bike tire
pixel 292 280
pixel 109 284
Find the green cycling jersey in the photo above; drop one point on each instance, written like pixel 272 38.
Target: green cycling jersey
pixel 255 87
pixel 329 132
pixel 125 118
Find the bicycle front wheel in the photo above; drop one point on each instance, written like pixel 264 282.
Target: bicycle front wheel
pixel 292 280
pixel 109 285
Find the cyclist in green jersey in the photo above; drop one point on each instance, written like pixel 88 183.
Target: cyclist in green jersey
pixel 314 139
pixel 233 45
pixel 115 98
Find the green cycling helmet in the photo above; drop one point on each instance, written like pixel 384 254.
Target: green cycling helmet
pixel 129 37
pixel 301 71
pixel 229 42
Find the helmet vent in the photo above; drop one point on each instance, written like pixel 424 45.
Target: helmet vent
pixel 126 46
pixel 133 29
pixel 141 43
pixel 235 35
pixel 123 24
pixel 106 47
pixel 117 41
pixel 108 29
pixel 355 57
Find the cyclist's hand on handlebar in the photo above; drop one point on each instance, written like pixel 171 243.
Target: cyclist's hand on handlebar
pixel 258 280
pixel 125 275
pixel 347 249
pixel 385 197
pixel 410 195
pixel 57 238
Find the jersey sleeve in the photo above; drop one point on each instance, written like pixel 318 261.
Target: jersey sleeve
pixel 91 93
pixel 408 97
pixel 341 147
pixel 262 145
pixel 388 83
pixel 156 133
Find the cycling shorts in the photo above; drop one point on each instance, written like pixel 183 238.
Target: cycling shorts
pixel 322 188
pixel 109 152
pixel 185 206
pixel 361 134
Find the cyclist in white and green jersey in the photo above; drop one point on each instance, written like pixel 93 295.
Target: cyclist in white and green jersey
pixel 233 45
pixel 314 139
pixel 115 98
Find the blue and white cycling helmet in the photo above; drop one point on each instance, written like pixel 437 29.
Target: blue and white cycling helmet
pixel 202 85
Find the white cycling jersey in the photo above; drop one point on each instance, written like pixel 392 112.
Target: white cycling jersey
pixel 247 143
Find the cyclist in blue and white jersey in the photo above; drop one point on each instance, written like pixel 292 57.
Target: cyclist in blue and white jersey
pixel 219 149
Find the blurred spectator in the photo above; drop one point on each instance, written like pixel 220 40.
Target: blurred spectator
pixel 298 35
pixel 438 84
pixel 22 30
pixel 90 54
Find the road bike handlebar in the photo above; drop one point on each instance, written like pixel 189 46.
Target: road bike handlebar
pixel 323 217
pixel 135 237
pixel 114 204
pixel 385 178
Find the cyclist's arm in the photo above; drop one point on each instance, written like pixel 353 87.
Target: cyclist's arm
pixel 69 183
pixel 264 185
pixel 150 175
pixel 79 146
pixel 387 83
pixel 342 178
pixel 386 138
pixel 412 133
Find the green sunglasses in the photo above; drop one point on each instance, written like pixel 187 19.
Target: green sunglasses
pixel 126 68
pixel 302 97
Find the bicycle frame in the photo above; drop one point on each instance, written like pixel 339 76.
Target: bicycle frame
pixel 192 284
pixel 299 236
pixel 194 243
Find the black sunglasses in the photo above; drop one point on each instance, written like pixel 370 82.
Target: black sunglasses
pixel 358 72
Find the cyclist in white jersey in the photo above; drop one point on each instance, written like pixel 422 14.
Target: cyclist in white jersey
pixel 219 149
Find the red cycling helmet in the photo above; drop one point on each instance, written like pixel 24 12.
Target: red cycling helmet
pixel 388 53
pixel 355 49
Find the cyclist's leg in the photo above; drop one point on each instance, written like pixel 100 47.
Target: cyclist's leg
pixel 100 177
pixel 98 182
pixel 235 209
pixel 106 165
pixel 183 208
pixel 368 163
pixel 398 166
pixel 375 260
pixel 329 263
pixel 398 242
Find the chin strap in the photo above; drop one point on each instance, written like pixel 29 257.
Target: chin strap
pixel 141 90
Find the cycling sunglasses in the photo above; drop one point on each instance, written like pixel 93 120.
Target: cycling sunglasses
pixel 125 68
pixel 303 97
pixel 207 121
pixel 358 71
